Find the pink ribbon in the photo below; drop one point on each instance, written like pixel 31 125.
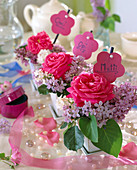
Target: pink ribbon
pixel 89 162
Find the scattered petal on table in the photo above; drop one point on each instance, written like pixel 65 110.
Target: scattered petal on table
pixel 47 124
pixel 51 137
pixel 129 151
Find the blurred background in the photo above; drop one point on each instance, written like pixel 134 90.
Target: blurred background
pixel 126 9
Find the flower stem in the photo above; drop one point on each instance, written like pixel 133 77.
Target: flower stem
pixel 8 163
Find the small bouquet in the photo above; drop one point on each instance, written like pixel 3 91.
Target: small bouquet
pixel 101 10
pixel 58 71
pixel 36 48
pixel 95 106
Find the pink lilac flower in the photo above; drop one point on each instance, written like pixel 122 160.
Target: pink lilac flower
pixel 56 85
pixel 24 55
pixel 97 13
pixel 77 66
pixel 4 126
pixel 6 86
pixel 58 48
pixel 117 108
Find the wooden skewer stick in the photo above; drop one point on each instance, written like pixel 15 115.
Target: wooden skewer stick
pixel 111 50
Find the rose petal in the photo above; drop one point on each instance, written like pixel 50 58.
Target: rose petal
pixel 51 137
pixel 46 123
pixel 129 151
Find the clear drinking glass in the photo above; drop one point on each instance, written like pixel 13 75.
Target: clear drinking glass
pixel 11 30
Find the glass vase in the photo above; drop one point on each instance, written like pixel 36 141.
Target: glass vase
pixel 11 30
pixel 34 67
pixel 103 35
pixel 88 147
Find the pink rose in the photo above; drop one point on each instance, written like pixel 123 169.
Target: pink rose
pixel 6 86
pixel 57 64
pixel 38 42
pixel 16 156
pixel 90 87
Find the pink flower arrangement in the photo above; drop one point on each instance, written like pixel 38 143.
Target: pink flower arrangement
pixel 90 87
pixel 39 42
pixel 6 86
pixel 57 64
pixel 58 71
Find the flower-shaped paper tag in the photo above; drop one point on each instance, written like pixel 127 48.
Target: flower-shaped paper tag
pixel 62 23
pixel 85 45
pixel 109 65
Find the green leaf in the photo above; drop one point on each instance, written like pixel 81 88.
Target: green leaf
pixel 89 128
pixel 2 155
pixel 7 158
pixel 12 167
pixel 101 9
pixel 110 138
pixel 64 125
pixel 43 89
pixel 107 4
pixel 73 138
pixel 116 17
pixel 23 46
pixel 109 23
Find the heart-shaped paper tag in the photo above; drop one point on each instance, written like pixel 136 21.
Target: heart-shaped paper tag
pixel 109 65
pixel 62 23
pixel 85 45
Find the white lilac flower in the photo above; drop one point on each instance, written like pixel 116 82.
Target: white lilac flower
pixel 42 55
pixel 38 76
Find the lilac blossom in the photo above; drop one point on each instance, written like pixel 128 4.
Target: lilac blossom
pixel 97 13
pixel 4 126
pixel 58 48
pixel 77 66
pixel 55 85
pixel 117 108
pixel 24 55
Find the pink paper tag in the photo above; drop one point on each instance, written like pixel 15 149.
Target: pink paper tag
pixel 85 45
pixel 109 65
pixel 62 23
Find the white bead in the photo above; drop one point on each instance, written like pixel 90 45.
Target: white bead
pixel 40 138
pixel 55 144
pixel 32 132
pixel 111 56
pixel 34 143
pixel 32 154
pixel 39 147
pixel 59 152
pixel 40 119
pixel 36 134
pixel 45 132
pixel 46 141
pixel 26 120
pixel 60 139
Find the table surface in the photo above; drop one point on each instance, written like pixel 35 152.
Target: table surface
pixel 35 99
